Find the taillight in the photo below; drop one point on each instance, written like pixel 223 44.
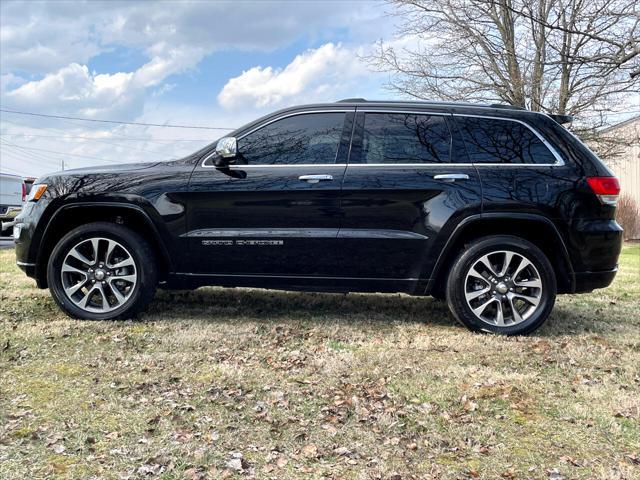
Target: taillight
pixel 24 192
pixel 607 189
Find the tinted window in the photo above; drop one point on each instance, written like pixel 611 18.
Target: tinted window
pixel 502 141
pixel 300 139
pixel 405 138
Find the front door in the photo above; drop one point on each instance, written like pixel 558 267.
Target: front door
pixel 275 211
pixel 408 183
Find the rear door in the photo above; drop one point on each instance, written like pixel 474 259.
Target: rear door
pixel 276 210
pixel 407 185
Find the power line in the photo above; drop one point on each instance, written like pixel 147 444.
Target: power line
pixel 12 171
pixel 114 136
pixel 30 162
pixel 25 156
pixel 113 121
pixel 59 153
pixel 29 156
pixel 99 139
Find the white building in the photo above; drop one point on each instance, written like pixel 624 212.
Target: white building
pixel 626 163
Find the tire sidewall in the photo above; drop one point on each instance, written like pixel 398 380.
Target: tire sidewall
pixel 457 278
pixel 129 240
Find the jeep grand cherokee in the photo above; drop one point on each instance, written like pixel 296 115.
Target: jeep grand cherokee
pixel 495 208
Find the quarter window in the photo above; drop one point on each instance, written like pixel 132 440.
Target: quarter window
pixel 299 139
pixel 502 141
pixel 405 138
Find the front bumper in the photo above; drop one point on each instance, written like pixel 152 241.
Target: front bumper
pixel 28 268
pixel 586 282
pixel 23 232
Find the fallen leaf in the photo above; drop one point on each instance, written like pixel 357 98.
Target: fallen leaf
pixel 554 474
pixel 192 473
pixel 58 448
pixel 340 451
pixel 310 451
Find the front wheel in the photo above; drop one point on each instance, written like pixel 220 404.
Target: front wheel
pixel 502 284
pixel 102 271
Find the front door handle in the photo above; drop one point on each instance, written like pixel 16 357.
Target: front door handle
pixel 315 178
pixel 451 177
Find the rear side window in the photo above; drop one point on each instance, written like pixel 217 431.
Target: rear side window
pixel 300 139
pixel 502 141
pixel 405 138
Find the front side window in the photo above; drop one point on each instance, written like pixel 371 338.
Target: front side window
pixel 405 138
pixel 300 139
pixel 502 141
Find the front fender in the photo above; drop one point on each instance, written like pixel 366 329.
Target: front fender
pixel 141 215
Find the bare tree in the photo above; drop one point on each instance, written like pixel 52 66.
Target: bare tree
pixel 556 56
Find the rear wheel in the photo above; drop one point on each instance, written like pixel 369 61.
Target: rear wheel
pixel 102 271
pixel 502 284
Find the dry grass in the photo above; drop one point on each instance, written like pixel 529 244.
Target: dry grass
pixel 317 386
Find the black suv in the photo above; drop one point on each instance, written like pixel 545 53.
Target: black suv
pixel 494 208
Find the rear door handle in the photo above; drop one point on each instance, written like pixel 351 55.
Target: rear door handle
pixel 315 178
pixel 451 177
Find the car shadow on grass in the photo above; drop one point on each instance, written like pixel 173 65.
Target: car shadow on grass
pixel 272 306
pixel 244 305
pixel 567 320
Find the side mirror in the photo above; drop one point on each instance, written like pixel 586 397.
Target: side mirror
pixel 227 147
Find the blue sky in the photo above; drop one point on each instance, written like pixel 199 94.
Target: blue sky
pixel 196 63
pixel 208 63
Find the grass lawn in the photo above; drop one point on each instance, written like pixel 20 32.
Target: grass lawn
pixel 243 383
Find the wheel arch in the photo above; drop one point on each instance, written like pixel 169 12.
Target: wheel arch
pixel 72 215
pixel 535 228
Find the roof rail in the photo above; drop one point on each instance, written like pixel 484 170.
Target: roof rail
pixel 434 102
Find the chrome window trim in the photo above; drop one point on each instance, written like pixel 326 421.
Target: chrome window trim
pixel 287 165
pixel 558 163
pixel 287 115
pixel 414 112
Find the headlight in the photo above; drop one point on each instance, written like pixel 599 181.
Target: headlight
pixel 17 228
pixel 36 192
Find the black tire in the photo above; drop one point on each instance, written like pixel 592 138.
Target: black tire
pixel 140 252
pixel 457 286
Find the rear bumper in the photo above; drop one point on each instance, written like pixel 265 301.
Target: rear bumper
pixel 10 213
pixel 7 219
pixel 594 245
pixel 586 282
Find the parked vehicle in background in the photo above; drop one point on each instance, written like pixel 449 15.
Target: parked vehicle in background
pixel 13 194
pixel 495 208
pixel 29 183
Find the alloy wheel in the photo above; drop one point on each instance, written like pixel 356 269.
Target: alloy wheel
pixel 98 275
pixel 503 288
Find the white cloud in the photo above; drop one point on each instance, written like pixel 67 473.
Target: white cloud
pixel 46 47
pixel 313 75
pixel 40 37
pixel 76 91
